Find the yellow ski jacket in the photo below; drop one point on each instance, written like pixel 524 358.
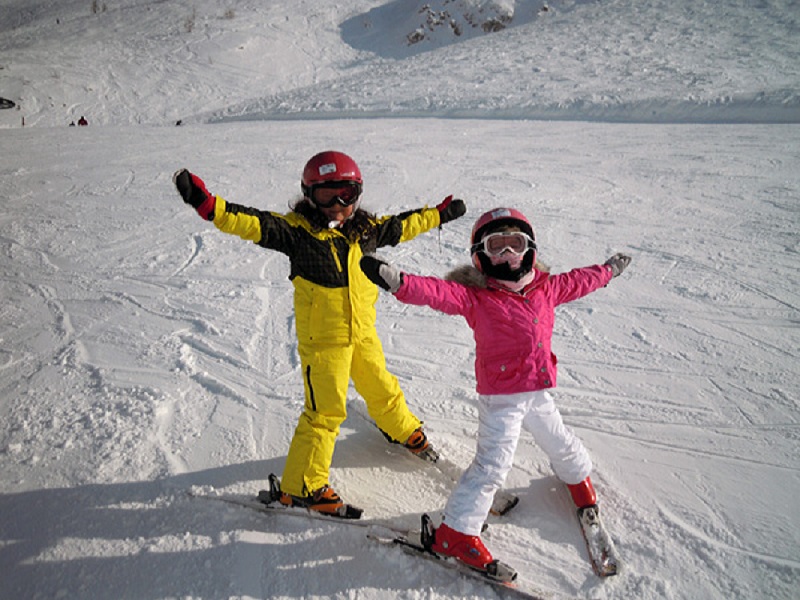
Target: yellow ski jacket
pixel 334 302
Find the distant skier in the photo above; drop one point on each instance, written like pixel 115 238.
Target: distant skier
pixel 82 122
pixel 325 236
pixel 508 299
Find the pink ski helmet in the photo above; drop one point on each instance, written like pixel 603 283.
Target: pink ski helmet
pixel 490 222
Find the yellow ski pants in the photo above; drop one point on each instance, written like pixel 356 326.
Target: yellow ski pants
pixel 327 371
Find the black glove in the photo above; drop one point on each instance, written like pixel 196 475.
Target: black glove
pixel 382 273
pixel 618 263
pixel 194 193
pixel 450 210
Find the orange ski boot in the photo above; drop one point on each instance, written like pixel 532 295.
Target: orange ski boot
pixel 417 443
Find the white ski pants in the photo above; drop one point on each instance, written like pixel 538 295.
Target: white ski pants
pixel 501 418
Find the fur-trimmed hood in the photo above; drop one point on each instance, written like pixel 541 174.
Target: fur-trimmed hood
pixel 469 276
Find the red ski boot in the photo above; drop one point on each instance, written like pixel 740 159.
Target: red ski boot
pixel 583 494
pixel 469 549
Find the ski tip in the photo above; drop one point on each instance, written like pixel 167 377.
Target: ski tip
pixel 607 569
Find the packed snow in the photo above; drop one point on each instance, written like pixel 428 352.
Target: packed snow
pixel 148 362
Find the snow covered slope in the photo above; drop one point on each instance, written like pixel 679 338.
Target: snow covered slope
pixel 144 355
pixel 145 62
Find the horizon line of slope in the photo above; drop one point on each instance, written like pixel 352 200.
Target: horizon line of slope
pixel 755 110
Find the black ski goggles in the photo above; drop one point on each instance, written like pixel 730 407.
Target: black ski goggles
pixel 346 193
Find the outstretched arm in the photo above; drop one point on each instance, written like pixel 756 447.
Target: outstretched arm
pixel 446 296
pixel 267 229
pixel 407 225
pixel 577 283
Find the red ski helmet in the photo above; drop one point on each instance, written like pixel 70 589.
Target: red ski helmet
pixel 490 222
pixel 329 167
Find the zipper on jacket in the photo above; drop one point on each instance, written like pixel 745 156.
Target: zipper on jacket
pixel 335 255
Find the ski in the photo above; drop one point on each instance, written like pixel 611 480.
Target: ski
pixel 267 502
pixel 503 501
pixel 498 574
pixel 602 553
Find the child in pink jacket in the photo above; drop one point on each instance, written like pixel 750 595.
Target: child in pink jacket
pixel 509 301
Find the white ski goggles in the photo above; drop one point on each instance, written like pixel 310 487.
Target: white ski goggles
pixel 515 242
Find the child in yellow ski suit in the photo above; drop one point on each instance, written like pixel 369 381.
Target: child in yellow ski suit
pixel 324 237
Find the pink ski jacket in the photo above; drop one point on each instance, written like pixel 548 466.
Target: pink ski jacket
pixel 513 331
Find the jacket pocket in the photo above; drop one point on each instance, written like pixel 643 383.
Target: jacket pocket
pixel 323 315
pixel 502 372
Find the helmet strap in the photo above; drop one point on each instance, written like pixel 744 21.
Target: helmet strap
pixel 514 286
